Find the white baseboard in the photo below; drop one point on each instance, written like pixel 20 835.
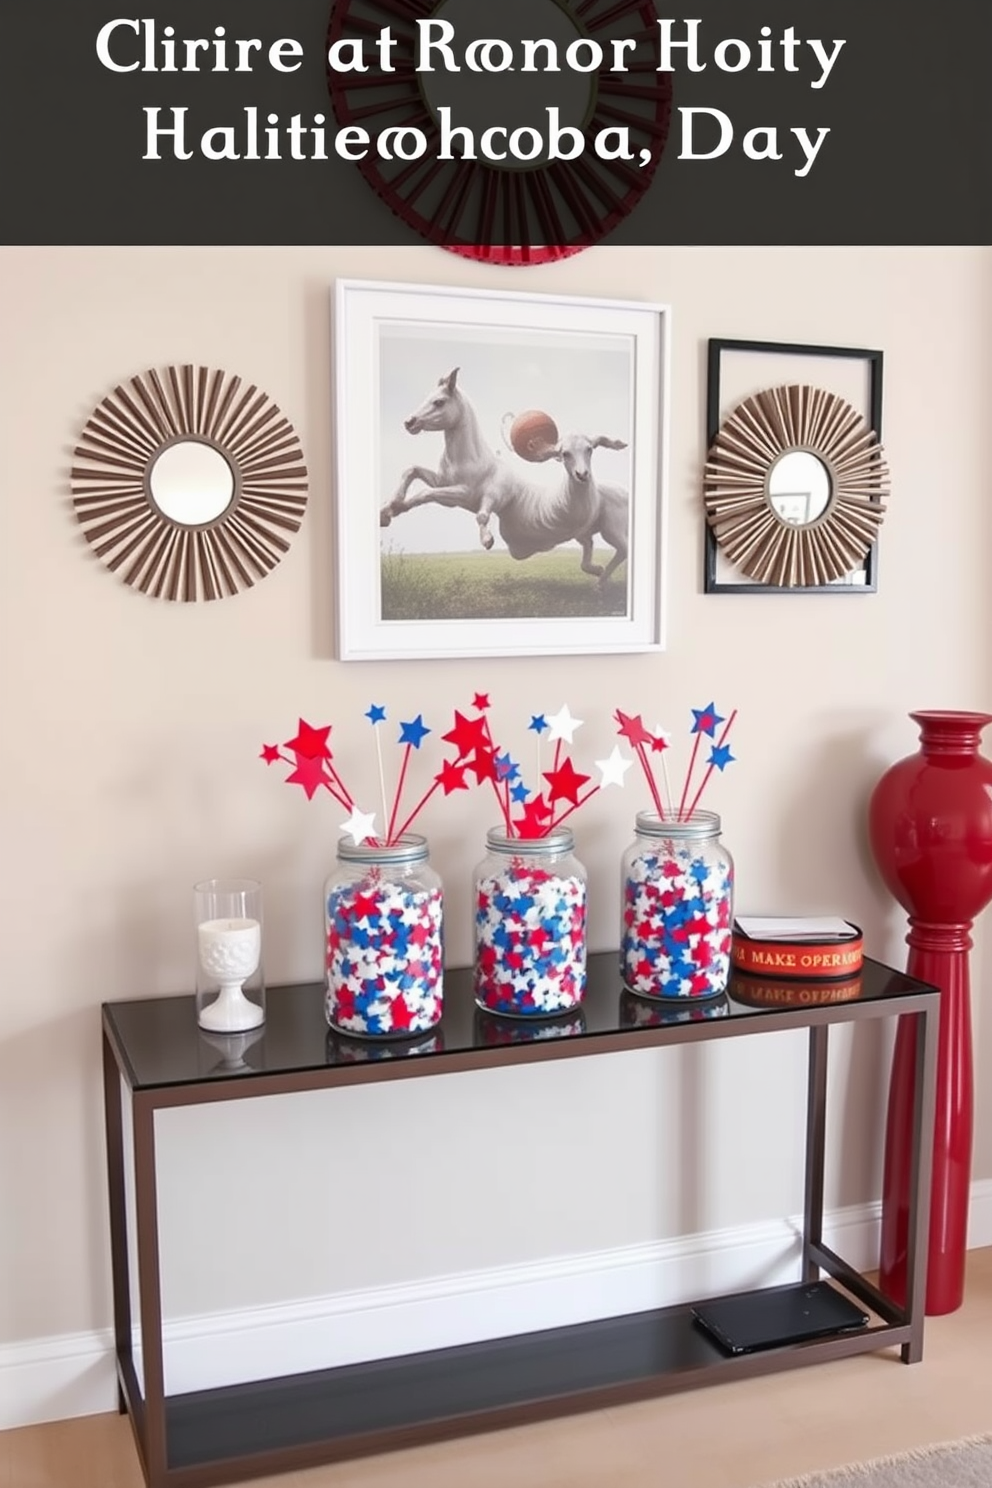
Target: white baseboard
pixel 50 1379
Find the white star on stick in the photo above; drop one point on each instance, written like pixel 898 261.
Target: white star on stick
pixel 613 769
pixel 360 824
pixel 562 725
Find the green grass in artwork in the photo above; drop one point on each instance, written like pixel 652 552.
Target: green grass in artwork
pixel 494 586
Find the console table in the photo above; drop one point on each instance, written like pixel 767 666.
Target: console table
pixel 154 1047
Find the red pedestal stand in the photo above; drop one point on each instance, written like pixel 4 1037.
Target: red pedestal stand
pixel 930 823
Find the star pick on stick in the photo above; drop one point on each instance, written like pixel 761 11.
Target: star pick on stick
pixel 633 730
pixel 613 769
pixel 565 782
pixel 311 743
pixel 525 812
pixel 467 735
pixel 452 777
pixel 360 825
pixel 660 744
pixel 414 733
pixel 562 726
pixel 377 715
pixel 309 773
pixel 533 819
pixel 705 722
pixel 720 757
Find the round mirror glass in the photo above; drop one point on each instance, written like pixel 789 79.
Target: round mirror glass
pixel 191 482
pixel 799 487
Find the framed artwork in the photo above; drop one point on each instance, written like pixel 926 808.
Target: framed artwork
pixel 501 472
pixel 842 385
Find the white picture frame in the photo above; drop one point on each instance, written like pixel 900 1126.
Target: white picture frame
pixel 414 579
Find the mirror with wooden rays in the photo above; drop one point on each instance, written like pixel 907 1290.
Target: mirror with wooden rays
pixel 793 487
pixel 188 483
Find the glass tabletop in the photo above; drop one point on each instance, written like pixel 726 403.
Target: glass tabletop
pixel 160 1043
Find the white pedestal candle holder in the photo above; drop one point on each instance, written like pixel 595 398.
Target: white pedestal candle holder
pixel 230 988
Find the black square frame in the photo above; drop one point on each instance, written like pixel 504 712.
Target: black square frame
pixel 717 347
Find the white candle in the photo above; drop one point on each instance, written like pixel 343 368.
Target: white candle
pixel 230 949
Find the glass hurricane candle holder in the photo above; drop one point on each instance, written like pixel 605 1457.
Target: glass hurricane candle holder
pixel 230 987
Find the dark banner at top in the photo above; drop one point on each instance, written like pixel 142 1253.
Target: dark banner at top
pixel 507 129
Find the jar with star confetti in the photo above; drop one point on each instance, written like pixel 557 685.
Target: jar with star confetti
pixel 383 940
pixel 530 925
pixel 677 886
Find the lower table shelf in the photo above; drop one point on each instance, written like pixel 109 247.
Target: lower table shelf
pixel 373 1406
pixel 153 1049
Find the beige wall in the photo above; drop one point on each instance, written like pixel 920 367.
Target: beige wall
pixel 131 728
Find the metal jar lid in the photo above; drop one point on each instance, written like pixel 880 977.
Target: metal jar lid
pixel 559 840
pixel 411 848
pixel 699 824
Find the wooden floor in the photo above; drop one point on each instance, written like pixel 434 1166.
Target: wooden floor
pixel 729 1436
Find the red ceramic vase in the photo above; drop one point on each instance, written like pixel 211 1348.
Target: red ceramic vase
pixel 930 826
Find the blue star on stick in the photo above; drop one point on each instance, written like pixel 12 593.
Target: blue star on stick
pixel 538 723
pixel 375 714
pixel 414 733
pixel 720 756
pixel 706 720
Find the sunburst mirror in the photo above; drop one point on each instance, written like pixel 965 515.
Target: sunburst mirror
pixel 793 487
pixel 188 483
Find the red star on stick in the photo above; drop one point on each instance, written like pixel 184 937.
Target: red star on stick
pixel 565 782
pixel 481 701
pixel 533 817
pixel 270 753
pixel 451 777
pixel 633 730
pixel 484 764
pixel 658 743
pixel 309 773
pixel 467 735
pixel 310 743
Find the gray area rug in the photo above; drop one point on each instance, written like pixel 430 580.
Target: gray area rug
pixel 961 1464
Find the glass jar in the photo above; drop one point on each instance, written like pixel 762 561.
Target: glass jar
pixel 383 944
pixel 677 885
pixel 530 925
